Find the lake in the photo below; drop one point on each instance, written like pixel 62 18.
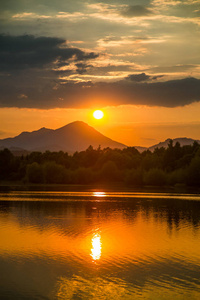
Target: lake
pixel 99 244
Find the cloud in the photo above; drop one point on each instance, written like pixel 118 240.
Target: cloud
pixel 82 68
pixel 142 77
pixel 176 68
pixel 127 41
pixel 135 11
pixel 73 17
pixel 44 72
pixel 28 51
pixel 171 93
pixel 50 93
pixel 44 6
pixel 167 3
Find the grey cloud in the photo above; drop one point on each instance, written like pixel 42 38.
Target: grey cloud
pixel 142 77
pixel 112 39
pixel 82 68
pixel 135 11
pixel 186 9
pixel 168 93
pixel 63 72
pixel 176 68
pixel 138 77
pixel 156 77
pixel 105 70
pixel 90 69
pixel 41 6
pixel 132 38
pixel 51 93
pixel 27 51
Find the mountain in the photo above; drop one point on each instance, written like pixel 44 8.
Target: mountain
pixel 141 149
pixel 183 142
pixel 76 136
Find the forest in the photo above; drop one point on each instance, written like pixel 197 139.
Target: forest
pixel 171 166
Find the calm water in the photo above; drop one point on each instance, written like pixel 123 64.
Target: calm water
pixel 99 245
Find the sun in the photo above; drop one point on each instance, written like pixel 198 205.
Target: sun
pixel 98 114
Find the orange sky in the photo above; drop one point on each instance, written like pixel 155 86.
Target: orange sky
pixel 137 60
pixel 131 125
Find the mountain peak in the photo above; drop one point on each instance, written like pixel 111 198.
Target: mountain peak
pixel 77 124
pixel 43 129
pixel 75 136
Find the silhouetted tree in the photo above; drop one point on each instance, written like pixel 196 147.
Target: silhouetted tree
pixel 109 172
pixel 6 163
pixel 54 173
pixel 174 165
pixel 134 177
pixel 155 177
pixel 34 173
pixel 193 173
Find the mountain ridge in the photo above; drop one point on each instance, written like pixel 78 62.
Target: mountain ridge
pixel 75 136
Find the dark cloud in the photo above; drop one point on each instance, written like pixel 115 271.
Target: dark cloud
pixel 63 72
pixel 32 78
pixel 142 77
pixel 168 93
pixel 50 93
pixel 135 11
pixel 156 77
pixel 27 51
pixel 82 68
pixel 105 70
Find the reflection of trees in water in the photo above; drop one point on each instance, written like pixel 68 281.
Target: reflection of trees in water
pixel 172 210
pixel 75 212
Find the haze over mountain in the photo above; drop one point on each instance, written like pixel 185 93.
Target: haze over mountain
pixel 76 136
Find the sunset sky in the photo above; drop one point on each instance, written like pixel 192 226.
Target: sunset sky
pixel 138 61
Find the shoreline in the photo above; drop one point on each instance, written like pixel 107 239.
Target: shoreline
pixel 20 186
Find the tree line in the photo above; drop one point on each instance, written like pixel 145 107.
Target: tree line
pixel 174 165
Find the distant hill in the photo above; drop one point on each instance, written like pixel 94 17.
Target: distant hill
pixel 76 136
pixel 141 149
pixel 183 142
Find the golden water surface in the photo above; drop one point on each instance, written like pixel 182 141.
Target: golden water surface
pixel 99 245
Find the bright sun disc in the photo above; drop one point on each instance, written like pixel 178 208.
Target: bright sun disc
pixel 98 114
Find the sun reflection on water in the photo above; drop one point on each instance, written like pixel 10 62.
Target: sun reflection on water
pixel 99 194
pixel 96 247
